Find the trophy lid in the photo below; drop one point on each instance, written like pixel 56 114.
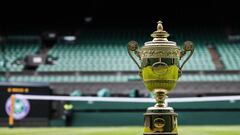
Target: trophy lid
pixel 160 37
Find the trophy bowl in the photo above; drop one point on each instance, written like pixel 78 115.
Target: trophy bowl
pixel 159 69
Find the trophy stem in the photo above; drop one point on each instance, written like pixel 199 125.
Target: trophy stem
pixel 160 95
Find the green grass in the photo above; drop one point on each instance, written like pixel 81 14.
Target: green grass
pixel 183 130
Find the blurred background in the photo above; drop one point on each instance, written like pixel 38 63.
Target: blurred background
pixel 80 49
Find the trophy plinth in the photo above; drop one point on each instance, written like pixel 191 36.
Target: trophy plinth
pixel 160 121
pixel 160 70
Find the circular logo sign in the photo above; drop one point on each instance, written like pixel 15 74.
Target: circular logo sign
pixel 21 107
pixel 159 122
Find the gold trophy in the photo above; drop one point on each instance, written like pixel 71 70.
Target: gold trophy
pixel 160 71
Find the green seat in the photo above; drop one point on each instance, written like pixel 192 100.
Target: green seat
pixel 76 93
pixel 104 92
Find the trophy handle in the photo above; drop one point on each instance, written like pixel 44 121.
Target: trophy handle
pixel 188 46
pixel 132 47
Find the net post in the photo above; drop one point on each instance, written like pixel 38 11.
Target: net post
pixel 11 115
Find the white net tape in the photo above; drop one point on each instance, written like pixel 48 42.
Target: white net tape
pixel 123 99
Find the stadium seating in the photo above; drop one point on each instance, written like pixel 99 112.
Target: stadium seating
pixel 229 53
pixel 216 77
pixel 114 78
pixel 70 78
pixel 111 57
pixel 2 79
pixel 90 57
pixel 201 59
pixel 15 50
pixel 106 50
